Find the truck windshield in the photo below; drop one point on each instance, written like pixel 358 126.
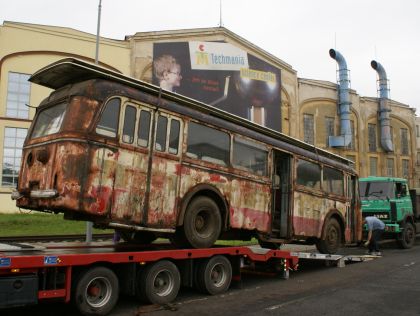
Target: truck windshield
pixel 49 120
pixel 376 190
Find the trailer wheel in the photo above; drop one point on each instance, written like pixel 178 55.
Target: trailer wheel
pixel 96 291
pixel 214 275
pixel 408 236
pixel 331 240
pixel 202 223
pixel 159 282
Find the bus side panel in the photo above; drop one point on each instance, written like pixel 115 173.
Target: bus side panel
pixel 130 186
pixel 249 202
pixel 250 205
pixel 309 213
pixel 100 182
pixel 163 192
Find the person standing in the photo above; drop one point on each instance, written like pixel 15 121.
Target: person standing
pixel 375 230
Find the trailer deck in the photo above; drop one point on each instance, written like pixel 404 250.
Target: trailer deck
pixel 97 272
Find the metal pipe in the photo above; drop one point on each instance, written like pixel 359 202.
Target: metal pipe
pixel 384 109
pixel 345 137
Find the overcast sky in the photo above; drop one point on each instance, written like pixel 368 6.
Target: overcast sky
pixel 300 32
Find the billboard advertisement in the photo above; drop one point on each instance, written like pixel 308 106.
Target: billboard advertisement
pixel 221 75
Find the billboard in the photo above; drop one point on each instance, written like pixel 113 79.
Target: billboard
pixel 221 75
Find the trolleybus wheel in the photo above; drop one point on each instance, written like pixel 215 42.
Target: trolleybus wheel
pixel 202 222
pixel 214 275
pixel 160 282
pixel 96 291
pixel 331 240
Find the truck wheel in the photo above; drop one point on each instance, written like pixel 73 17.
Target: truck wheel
pixel 331 240
pixel 137 237
pixel 96 291
pixel 214 275
pixel 160 282
pixel 408 236
pixel 202 223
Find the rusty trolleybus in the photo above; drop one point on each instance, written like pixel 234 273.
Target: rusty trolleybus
pixel 127 155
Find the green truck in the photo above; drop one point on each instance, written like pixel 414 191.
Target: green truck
pixel 390 200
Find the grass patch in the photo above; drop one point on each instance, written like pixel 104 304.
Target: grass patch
pixel 34 224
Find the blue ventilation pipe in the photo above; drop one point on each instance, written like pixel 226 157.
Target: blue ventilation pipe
pixel 344 104
pixel 384 121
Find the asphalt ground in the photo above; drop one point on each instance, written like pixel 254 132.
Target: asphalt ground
pixel 389 285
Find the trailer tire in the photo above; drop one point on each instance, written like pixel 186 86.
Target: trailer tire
pixel 159 282
pixel 96 291
pixel 331 239
pixel 214 275
pixel 202 222
pixel 408 236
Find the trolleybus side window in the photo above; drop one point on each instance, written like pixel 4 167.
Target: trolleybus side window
pixel 161 132
pixel 208 144
pixel 167 142
pixel 144 129
pixel 250 156
pixel 333 181
pixel 129 124
pixel 308 174
pixel 108 124
pixel 174 137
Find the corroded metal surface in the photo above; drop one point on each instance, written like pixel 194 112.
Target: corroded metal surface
pixel 100 179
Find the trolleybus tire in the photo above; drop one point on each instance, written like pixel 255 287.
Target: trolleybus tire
pixel 331 239
pixel 159 282
pixel 96 291
pixel 202 222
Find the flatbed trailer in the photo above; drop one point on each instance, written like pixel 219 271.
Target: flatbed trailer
pixel 93 275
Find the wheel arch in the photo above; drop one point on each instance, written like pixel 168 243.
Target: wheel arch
pixel 209 191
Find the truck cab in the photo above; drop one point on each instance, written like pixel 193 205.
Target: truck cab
pixel 390 200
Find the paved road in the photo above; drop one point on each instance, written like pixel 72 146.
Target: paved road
pixel 386 286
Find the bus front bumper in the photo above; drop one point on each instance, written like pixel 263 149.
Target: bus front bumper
pixel 36 194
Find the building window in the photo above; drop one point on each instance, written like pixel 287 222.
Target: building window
pixel 390 167
pixel 18 91
pixel 404 141
pixel 329 129
pixel 417 131
pixel 308 128
pixel 372 137
pixel 12 153
pixel 418 158
pixel 373 166
pixel 405 168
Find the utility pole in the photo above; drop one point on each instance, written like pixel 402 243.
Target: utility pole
pixel 89 225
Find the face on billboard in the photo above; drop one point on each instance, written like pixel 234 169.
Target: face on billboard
pixel 221 75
